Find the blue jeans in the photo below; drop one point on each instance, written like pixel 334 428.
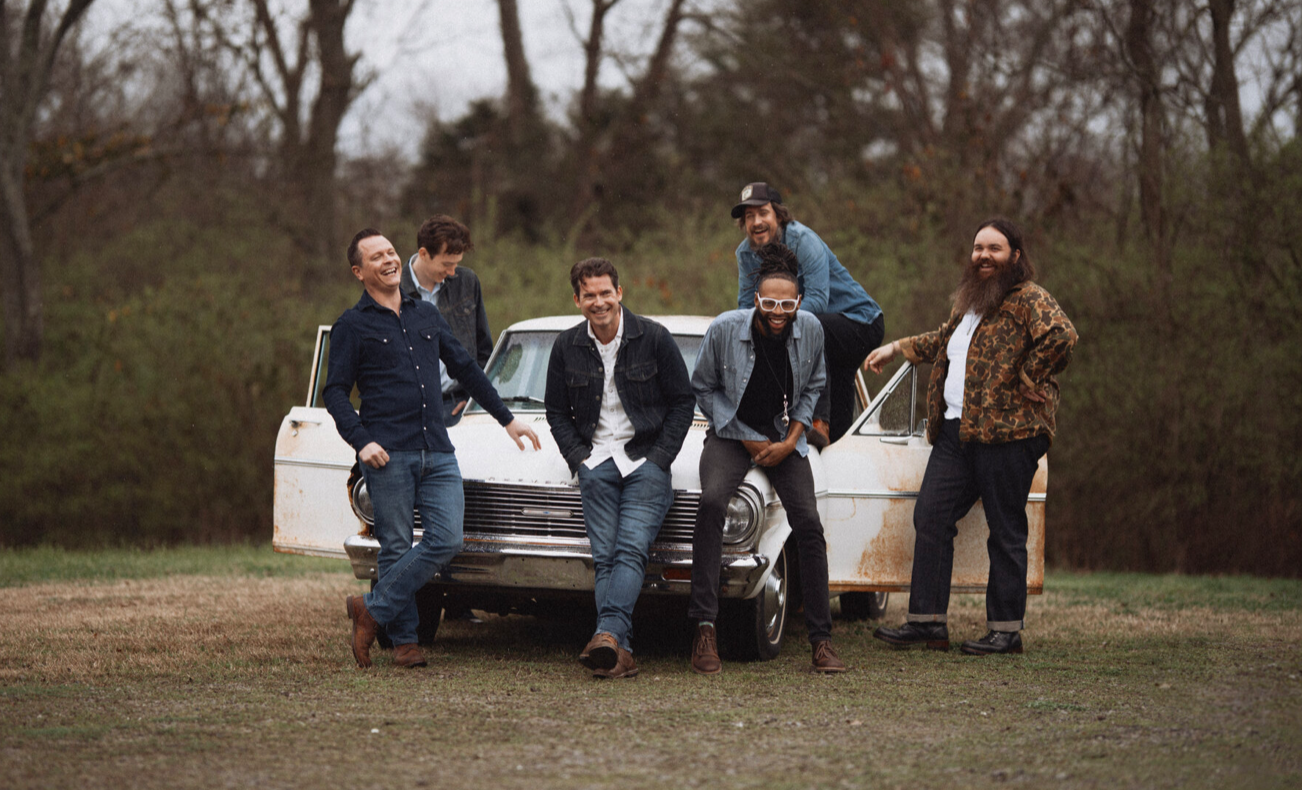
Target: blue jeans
pixel 623 516
pixel 411 479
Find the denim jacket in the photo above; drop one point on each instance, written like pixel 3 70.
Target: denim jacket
pixel 650 376
pixel 461 303
pixel 825 285
pixel 727 359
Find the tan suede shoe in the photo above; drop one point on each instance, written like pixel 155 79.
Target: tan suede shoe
pixel 601 652
pixel 705 651
pixel 409 656
pixel 825 659
pixel 625 667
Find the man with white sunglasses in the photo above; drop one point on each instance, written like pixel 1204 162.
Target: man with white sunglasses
pixel 758 375
pixel 853 324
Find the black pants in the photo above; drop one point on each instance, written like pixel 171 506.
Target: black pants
pixel 846 344
pixel 724 462
pixel 959 473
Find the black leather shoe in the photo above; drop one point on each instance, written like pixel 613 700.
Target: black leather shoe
pixel 934 635
pixel 994 642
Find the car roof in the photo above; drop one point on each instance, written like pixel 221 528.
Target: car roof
pixel 676 324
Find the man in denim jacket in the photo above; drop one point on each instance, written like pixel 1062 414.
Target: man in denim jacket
pixel 434 275
pixel 990 416
pixel 758 375
pixel 619 404
pixel 853 324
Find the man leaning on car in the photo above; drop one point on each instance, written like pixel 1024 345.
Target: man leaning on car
pixel 390 345
pixel 619 404
pixel 435 274
pixel 990 416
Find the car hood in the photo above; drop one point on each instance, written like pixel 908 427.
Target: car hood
pixel 485 452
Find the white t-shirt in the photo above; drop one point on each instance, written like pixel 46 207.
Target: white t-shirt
pixel 614 429
pixel 957 352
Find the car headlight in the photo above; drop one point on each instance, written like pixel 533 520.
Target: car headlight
pixel 360 499
pixel 744 512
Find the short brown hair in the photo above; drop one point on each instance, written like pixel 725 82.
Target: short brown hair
pixel 354 257
pixel 442 234
pixel 588 268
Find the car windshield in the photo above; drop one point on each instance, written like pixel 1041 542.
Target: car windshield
pixel 519 368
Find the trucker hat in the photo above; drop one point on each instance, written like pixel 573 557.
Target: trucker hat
pixel 755 194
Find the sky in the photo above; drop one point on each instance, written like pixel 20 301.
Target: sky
pixel 436 56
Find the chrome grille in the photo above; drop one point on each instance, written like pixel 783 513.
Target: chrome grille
pixel 496 510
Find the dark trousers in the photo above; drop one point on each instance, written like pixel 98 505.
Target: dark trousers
pixel 724 462
pixel 846 344
pixel 958 474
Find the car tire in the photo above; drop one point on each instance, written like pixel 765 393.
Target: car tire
pixel 753 629
pixel 864 605
pixel 429 605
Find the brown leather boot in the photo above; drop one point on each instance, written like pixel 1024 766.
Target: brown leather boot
pixel 825 659
pixel 705 651
pixel 409 656
pixel 625 667
pixel 601 652
pixel 364 628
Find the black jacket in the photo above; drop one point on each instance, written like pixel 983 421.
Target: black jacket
pixel 461 303
pixel 653 386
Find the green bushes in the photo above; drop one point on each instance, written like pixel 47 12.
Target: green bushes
pixel 175 349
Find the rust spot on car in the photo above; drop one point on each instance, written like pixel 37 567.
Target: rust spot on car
pixel 888 558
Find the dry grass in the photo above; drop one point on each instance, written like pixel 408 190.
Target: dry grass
pixel 205 681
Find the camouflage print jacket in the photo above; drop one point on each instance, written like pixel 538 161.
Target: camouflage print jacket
pixel 1028 341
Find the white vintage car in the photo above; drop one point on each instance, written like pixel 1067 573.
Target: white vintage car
pixel 525 546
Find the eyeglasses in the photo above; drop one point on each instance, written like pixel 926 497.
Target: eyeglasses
pixel 784 305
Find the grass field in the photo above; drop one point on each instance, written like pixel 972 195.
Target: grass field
pixel 229 667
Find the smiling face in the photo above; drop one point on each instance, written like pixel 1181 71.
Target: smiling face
pixel 991 253
pixel 599 302
pixel 762 225
pixel 438 267
pixel 773 321
pixel 381 268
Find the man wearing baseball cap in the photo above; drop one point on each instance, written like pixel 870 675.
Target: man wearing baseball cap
pixel 853 324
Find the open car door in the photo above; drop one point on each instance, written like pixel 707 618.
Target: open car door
pixel 873 474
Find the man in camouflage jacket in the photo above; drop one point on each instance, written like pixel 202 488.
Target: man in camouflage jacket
pixel 990 418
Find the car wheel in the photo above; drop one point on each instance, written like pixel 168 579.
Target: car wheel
pixel 864 606
pixel 753 629
pixel 429 605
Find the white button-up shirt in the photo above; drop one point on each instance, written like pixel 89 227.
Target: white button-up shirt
pixel 614 429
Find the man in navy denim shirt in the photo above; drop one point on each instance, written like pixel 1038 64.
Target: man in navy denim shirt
pixel 389 345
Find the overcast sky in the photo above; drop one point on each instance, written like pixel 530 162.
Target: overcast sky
pixel 436 56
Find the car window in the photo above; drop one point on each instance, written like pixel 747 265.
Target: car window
pixel 902 408
pixel 519 367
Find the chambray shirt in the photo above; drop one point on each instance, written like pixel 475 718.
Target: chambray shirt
pixel 394 361
pixel 727 360
pixel 825 285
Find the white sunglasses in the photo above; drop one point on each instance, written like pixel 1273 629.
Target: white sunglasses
pixel 785 305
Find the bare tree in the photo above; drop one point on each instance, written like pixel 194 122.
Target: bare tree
pixel 308 114
pixel 521 93
pixel 26 59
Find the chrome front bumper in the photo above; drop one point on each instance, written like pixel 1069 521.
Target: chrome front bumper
pixel 507 566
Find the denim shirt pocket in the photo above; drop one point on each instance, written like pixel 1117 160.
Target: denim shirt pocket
pixel 427 345
pixel 641 382
pixel 379 350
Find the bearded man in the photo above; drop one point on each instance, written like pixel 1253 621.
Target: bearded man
pixel 991 405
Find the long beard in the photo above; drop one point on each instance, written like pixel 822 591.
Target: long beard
pixel 983 296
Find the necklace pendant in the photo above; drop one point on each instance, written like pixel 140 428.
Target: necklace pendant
pixel 786 420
